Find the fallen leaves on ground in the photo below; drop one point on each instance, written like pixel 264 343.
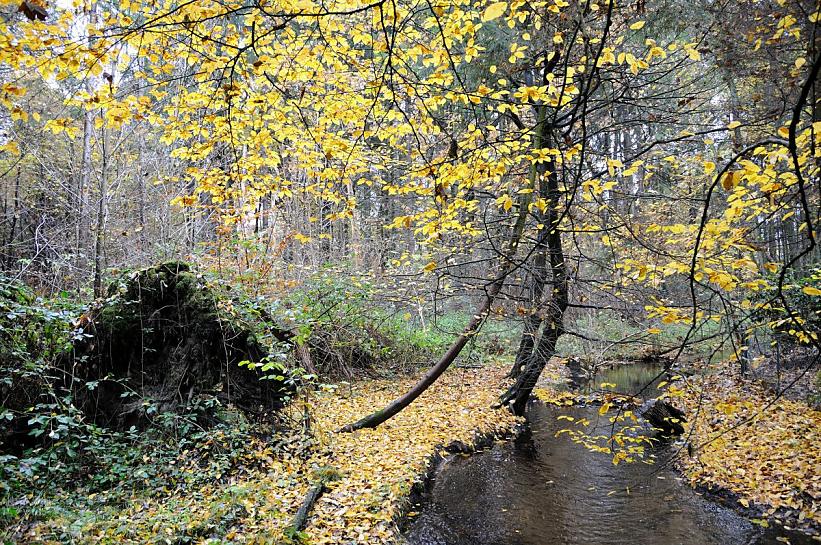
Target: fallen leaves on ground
pixel 378 469
pixel 382 464
pixel 765 450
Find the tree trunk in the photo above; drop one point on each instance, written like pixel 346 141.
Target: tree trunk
pixel 355 224
pixel 141 174
pixel 532 322
pixel 519 393
pixel 533 316
pixel 10 254
pixel 102 219
pixel 82 187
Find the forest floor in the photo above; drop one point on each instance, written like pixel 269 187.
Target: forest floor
pixel 376 471
pixel 752 449
pixel 756 453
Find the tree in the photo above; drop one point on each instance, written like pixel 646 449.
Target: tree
pixel 571 146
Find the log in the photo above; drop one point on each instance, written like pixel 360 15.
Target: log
pixel 664 417
pixel 326 475
pixel 301 517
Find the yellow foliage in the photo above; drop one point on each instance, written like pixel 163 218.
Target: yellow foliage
pixel 494 11
pixel 729 180
pixel 378 467
pixel 767 451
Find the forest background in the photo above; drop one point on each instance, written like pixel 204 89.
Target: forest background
pixel 392 182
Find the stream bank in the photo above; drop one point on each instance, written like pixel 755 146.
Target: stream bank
pixel 543 489
pixel 375 473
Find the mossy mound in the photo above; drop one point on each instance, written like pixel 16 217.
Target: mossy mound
pixel 162 338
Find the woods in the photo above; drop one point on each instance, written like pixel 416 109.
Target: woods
pixel 220 219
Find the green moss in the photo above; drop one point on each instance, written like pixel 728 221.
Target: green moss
pixel 327 474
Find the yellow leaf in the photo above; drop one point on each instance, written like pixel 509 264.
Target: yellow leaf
pixel 733 125
pixel 612 164
pixel 654 331
pixel 809 290
pixel 637 25
pixel 505 202
pixel 11 147
pixel 729 181
pixel 799 62
pixel 494 11
pixel 430 266
pixel 709 167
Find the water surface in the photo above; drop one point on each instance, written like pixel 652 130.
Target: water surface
pixel 547 490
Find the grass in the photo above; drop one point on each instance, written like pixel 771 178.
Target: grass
pixel 613 337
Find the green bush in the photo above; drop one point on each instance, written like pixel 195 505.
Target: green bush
pixel 350 328
pixel 45 437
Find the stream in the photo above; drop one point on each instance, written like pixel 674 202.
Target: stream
pixel 547 490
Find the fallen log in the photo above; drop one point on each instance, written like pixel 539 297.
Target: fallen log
pixel 326 476
pixel 664 417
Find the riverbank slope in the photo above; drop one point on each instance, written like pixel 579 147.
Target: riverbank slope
pixel 374 470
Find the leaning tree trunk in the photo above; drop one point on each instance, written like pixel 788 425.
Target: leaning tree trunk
pixel 518 394
pixel 374 419
pixel 479 315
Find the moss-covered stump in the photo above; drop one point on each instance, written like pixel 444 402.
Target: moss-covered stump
pixel 162 338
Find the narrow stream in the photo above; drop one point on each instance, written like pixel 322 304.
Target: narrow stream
pixel 546 490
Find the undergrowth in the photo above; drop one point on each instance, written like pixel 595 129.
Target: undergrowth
pixel 52 453
pixel 55 461
pixel 605 335
pixel 352 330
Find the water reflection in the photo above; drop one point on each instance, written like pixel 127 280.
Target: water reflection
pixel 544 490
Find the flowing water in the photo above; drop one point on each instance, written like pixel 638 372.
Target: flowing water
pixel 547 490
